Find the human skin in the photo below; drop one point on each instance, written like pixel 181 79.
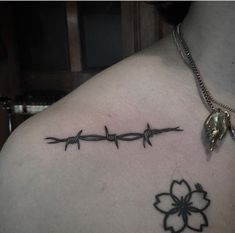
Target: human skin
pixel 101 189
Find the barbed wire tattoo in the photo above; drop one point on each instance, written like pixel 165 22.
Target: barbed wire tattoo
pixel 146 135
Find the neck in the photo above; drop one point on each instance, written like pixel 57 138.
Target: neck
pixel 209 32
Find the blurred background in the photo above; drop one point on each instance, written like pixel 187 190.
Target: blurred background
pixel 47 49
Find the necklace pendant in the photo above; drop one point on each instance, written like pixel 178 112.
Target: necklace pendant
pixel 232 132
pixel 216 126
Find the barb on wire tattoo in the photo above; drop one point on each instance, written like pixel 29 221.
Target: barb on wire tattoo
pixel 115 138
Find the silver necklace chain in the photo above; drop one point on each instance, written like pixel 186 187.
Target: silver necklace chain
pixel 187 57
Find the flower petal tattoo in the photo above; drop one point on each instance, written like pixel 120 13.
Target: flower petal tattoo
pixel 145 136
pixel 183 208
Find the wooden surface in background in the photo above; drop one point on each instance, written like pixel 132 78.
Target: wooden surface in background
pixel 73 37
pixel 129 28
pixel 141 26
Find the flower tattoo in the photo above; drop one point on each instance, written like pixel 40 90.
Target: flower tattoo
pixel 183 208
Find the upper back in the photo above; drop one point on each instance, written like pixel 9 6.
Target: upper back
pixel 99 188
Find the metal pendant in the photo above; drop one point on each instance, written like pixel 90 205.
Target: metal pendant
pixel 232 132
pixel 216 126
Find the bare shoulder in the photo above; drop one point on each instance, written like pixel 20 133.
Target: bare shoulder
pixel 137 85
pixel 99 188
pixel 138 90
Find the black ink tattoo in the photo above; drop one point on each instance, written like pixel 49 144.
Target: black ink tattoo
pixel 146 135
pixel 183 208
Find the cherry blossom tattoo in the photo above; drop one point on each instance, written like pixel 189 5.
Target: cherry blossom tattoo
pixel 183 207
pixel 145 136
